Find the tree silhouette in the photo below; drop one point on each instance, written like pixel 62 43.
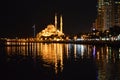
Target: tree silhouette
pixel 115 30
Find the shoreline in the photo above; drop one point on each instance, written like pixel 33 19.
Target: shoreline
pixel 89 42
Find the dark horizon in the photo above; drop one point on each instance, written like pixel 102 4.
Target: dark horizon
pixel 18 17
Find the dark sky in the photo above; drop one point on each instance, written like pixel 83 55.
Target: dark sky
pixel 18 16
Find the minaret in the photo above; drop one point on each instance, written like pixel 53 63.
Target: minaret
pixel 61 24
pixel 55 20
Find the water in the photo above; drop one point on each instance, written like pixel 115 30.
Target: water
pixel 55 61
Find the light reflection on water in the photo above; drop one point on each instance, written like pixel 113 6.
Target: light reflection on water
pixel 107 59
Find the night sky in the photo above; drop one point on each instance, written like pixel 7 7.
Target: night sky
pixel 18 16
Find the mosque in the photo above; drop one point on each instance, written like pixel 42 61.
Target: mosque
pixel 51 32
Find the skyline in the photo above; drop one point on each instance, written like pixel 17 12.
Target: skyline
pixel 22 15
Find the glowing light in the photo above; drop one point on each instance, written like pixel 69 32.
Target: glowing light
pixel 8 43
pixel 67 50
pixel 78 49
pixel 98 55
pixel 9 50
pixel 119 56
pixel 82 50
pixel 94 51
pixel 52 54
pixel 75 51
pixel 51 30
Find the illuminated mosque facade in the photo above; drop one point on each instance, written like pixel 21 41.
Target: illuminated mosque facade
pixel 52 31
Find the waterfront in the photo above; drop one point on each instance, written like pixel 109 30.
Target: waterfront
pixel 60 61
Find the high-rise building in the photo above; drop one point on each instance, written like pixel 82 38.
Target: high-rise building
pixel 108 14
pixel 117 12
pixel 99 22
